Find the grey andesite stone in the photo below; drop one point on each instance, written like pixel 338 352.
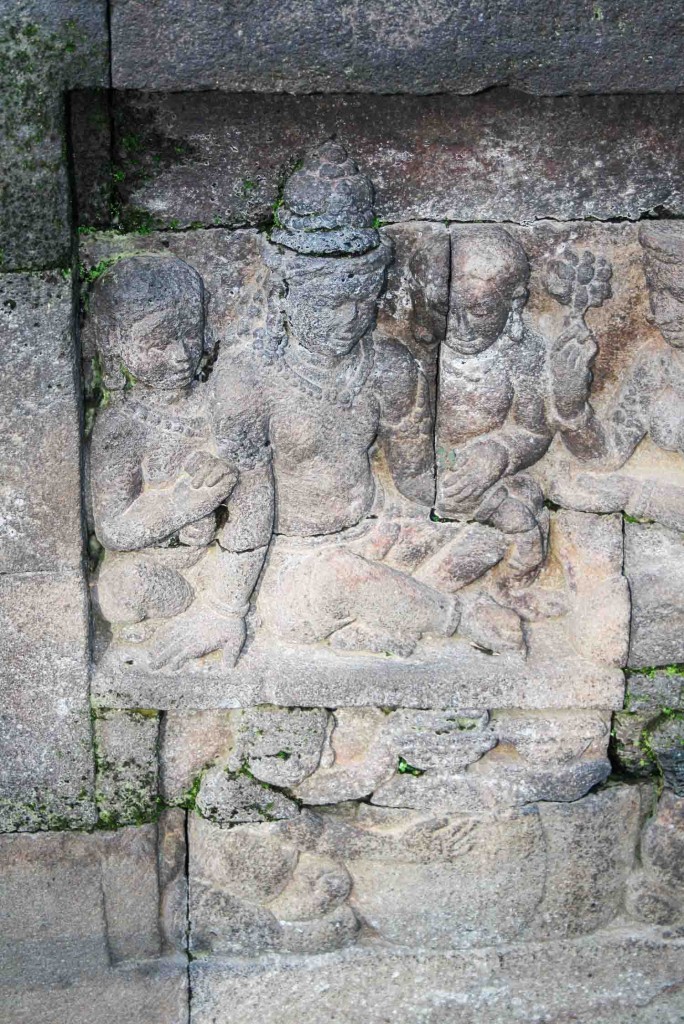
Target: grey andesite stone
pixel 439 46
pixel 40 488
pixel 46 766
pixel 625 976
pixel 211 159
pixel 75 904
pixel 415 877
pixel 46 48
pixel 126 759
pixel 654 566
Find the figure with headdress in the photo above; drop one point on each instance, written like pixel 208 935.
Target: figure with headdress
pixel 331 431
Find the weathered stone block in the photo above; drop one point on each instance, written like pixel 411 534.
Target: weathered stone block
pixel 45 49
pixel 46 767
pixel 74 904
pixel 654 566
pixel 126 783
pixel 636 978
pixel 153 992
pixel 40 491
pixel 438 47
pixel 500 156
pixel 449 881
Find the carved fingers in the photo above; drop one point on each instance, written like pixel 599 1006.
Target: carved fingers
pixel 205 470
pixel 473 471
pixel 572 356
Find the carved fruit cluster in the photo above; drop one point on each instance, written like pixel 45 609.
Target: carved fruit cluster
pixel 579 281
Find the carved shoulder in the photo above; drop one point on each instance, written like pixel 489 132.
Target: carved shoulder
pixel 399 379
pixel 239 403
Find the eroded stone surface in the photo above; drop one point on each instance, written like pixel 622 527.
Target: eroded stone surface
pixel 45 49
pixel 309 884
pixel 306 461
pixel 130 993
pixel 47 761
pixel 126 751
pixel 40 491
pixel 636 978
pixel 654 564
pixel 437 47
pixel 499 156
pixel 75 904
pixel 657 890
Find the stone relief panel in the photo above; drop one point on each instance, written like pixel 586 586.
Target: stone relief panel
pixel 325 461
pixel 360 874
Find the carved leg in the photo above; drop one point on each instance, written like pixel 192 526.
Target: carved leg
pixel 360 605
pixel 131 587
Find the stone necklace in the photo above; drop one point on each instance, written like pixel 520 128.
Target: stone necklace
pixel 340 383
pixel 190 426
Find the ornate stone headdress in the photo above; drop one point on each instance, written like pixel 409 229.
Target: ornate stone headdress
pixel 327 207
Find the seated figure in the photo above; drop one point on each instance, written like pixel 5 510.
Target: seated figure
pixel 157 483
pixel 502 396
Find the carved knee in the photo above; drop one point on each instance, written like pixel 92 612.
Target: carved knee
pixel 131 590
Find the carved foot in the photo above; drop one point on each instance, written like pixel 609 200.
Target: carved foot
pixel 491 626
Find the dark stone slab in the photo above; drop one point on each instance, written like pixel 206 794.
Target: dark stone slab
pixel 398 46
pixel 45 49
pixel 208 159
pixel 90 136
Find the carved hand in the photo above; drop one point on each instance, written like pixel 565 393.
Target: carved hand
pixel 211 482
pixel 196 632
pixel 571 358
pixel 472 471
pixel 206 470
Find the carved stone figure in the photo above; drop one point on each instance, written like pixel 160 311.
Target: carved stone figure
pixel 651 400
pixel 288 499
pixel 157 484
pixel 501 395
pixel 332 430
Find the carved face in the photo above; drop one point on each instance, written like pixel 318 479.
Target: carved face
pixel 330 314
pixel 163 347
pixel 666 293
pixel 480 308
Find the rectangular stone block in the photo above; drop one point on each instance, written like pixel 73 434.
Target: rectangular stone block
pixel 47 49
pixel 636 978
pixel 654 566
pixel 439 47
pixel 498 156
pixel 47 764
pixel 40 490
pixel 154 993
pixel 74 904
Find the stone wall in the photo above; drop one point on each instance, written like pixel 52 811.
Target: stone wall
pixel 342 513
